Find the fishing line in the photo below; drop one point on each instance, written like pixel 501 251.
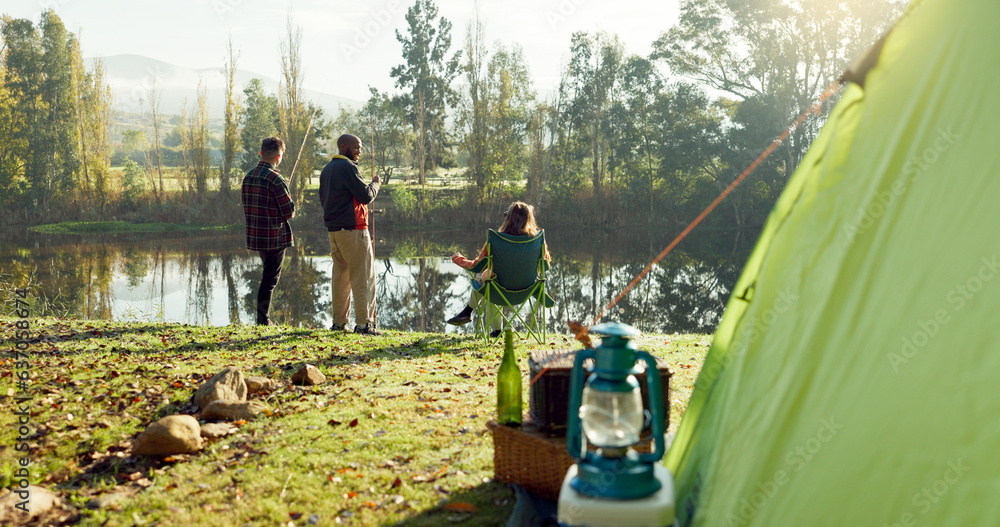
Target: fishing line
pixel 813 109
pixel 581 332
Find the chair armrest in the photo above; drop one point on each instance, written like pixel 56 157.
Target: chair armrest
pixel 480 265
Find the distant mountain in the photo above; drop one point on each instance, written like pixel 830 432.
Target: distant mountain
pixel 131 76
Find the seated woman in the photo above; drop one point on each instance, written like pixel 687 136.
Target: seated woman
pixel 519 220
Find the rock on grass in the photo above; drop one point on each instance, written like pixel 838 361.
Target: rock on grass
pixel 234 410
pixel 174 434
pixel 259 384
pixel 227 385
pixel 309 375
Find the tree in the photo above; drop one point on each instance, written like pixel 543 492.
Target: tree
pixel 385 117
pixel 633 151
pixel 473 110
pixel 59 146
pixel 258 119
pixel 390 142
pixel 153 101
pixel 231 133
pixel 134 141
pixel 28 83
pixel 293 120
pixel 510 96
pixel 427 74
pixel 772 58
pixel 494 112
pixel 183 130
pixel 539 164
pixel 14 149
pixel 93 106
pixel 593 72
pixel 198 140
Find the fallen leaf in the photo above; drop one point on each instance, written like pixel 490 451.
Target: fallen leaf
pixel 440 472
pixel 350 495
pixel 460 506
pixel 353 423
pixel 396 483
pixel 580 333
pixel 333 422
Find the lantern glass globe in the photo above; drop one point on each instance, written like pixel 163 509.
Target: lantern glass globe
pixel 611 419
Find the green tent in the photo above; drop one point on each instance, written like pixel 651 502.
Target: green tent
pixel 855 377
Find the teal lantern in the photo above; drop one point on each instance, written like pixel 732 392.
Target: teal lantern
pixel 606 413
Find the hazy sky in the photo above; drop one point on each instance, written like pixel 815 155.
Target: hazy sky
pixel 346 46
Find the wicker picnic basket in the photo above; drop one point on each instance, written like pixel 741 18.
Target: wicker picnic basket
pixel 548 397
pixel 530 458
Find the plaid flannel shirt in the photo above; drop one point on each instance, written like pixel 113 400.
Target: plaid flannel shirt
pixel 268 207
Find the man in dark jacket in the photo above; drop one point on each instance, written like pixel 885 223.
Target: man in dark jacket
pixel 345 198
pixel 268 207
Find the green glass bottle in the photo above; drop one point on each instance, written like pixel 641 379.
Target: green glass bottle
pixel 509 384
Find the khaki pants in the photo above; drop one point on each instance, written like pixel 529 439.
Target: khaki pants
pixel 353 273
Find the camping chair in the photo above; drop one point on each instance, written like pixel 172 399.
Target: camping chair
pixel 518 278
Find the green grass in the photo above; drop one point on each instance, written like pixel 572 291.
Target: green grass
pixel 396 434
pixel 95 227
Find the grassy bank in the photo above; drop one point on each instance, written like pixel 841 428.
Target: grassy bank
pixel 396 435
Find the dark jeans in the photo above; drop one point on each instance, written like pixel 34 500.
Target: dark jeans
pixel 272 271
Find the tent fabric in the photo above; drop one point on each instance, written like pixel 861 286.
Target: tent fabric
pixel 853 378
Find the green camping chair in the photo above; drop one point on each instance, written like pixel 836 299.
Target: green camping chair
pixel 518 267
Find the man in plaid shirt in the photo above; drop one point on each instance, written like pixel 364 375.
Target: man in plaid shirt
pixel 268 207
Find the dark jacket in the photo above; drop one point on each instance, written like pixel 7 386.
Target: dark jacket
pixel 267 207
pixel 344 195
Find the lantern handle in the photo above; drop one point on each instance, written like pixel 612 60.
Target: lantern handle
pixel 574 436
pixel 655 407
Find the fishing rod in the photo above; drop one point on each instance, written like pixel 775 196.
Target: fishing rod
pixel 372 216
pixel 298 155
pixel 302 146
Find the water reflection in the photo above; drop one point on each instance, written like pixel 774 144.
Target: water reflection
pixel 211 279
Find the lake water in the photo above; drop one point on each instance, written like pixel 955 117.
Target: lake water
pixel 211 279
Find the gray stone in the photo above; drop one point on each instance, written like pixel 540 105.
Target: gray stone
pixel 41 502
pixel 174 434
pixel 227 385
pixel 233 410
pixel 216 430
pixel 259 384
pixel 309 375
pixel 104 501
